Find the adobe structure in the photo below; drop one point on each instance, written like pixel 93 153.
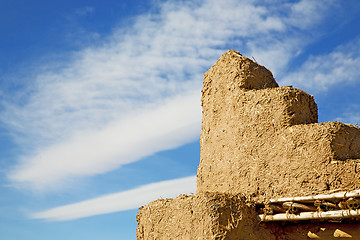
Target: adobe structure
pixel 258 142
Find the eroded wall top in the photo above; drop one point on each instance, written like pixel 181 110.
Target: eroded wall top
pixel 264 140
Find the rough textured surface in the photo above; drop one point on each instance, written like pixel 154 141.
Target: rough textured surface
pixel 238 72
pixel 265 141
pixel 201 216
pixel 258 141
pixel 224 217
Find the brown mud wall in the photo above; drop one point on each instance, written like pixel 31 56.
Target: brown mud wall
pixel 258 141
pixel 201 216
pixel 227 217
pixel 264 140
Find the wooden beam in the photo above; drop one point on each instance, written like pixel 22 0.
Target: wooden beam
pixel 310 215
pixel 338 195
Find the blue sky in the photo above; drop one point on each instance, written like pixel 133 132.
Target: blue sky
pixel 100 100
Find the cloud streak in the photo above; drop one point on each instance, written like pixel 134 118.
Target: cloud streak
pixel 121 201
pixel 351 115
pixel 137 93
pixel 140 134
pixel 320 73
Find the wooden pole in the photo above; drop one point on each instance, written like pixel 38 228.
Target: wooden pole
pixel 310 215
pixel 338 195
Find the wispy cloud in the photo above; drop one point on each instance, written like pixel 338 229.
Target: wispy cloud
pixel 113 104
pixel 307 13
pixel 351 115
pixel 126 140
pixel 85 10
pixel 320 73
pixel 121 201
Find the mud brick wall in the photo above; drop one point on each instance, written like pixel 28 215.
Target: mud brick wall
pixel 258 141
pixel 224 217
pixel 201 216
pixel 264 140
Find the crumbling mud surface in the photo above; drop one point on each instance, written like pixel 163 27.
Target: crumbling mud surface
pixel 258 141
pixel 265 141
pixel 201 216
pixel 225 217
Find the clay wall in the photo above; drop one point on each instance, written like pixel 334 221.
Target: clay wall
pixel 226 217
pixel 258 141
pixel 264 140
pixel 201 216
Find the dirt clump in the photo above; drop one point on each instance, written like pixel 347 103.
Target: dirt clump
pixel 258 141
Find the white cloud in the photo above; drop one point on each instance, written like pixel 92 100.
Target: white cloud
pixel 351 115
pixel 274 54
pixel 297 21
pixel 88 153
pixel 85 10
pixel 82 117
pixel 121 201
pixel 306 13
pixel 319 73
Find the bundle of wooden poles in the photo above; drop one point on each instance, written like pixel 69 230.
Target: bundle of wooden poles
pixel 345 204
